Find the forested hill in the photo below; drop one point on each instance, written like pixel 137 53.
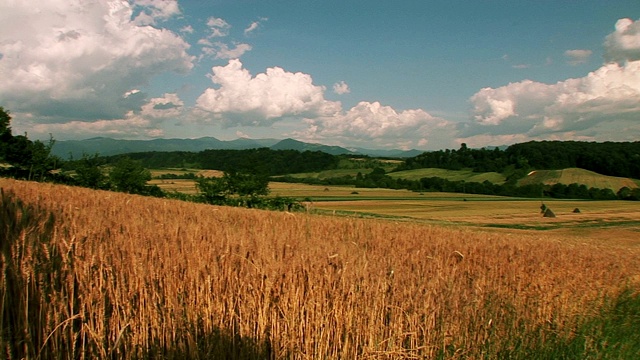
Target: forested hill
pixel 263 161
pixel 608 158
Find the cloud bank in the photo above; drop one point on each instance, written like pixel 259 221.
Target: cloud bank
pixel 604 105
pixel 240 99
pixel 369 124
pixel 144 123
pixel 77 68
pixel 64 59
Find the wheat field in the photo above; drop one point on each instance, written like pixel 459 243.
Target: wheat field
pixel 92 274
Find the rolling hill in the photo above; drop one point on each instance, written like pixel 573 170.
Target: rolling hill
pixel 452 175
pixel 578 176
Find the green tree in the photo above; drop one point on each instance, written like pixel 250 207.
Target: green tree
pixel 233 188
pixel 244 184
pixel 89 174
pixel 212 190
pixel 32 159
pixel 5 129
pixel 129 176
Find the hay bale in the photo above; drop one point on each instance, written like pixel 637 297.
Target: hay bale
pixel 549 213
pixel 576 211
pixel 543 208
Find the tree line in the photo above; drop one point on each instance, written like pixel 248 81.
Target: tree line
pixel 263 161
pixel 608 158
pixel 379 179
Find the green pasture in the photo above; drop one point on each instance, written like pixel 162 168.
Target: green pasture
pixel 579 176
pixel 452 175
pixel 174 171
pixel 328 174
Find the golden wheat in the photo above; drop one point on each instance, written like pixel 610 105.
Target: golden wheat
pixel 138 277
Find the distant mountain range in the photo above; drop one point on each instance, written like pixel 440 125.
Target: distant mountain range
pixel 106 147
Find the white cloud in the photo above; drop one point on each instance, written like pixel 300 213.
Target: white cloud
pixel 144 123
pixel 577 56
pixel 624 43
pixel 254 26
pixel 601 106
pixel 154 10
pixel 572 109
pixel 241 99
pixel 222 50
pixel 341 88
pixel 131 126
pixel 218 27
pixel 169 106
pixel 278 96
pixel 130 93
pixel 188 29
pixel 76 59
pixel 369 124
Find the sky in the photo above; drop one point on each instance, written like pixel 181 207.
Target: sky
pixel 409 74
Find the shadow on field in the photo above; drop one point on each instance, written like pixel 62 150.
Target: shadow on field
pixel 220 344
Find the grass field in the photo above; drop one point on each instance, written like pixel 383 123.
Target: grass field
pixel 331 173
pixel 95 274
pixel 579 176
pixel 452 175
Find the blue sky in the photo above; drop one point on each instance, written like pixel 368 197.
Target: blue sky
pixel 378 74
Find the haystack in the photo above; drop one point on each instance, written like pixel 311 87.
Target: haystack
pixel 549 213
pixel 576 211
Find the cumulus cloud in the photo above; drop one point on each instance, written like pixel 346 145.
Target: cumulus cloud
pixel 624 43
pixel 606 98
pixel 341 88
pixel 603 105
pixel 241 99
pixel 370 123
pixel 577 56
pixel 152 11
pixel 77 59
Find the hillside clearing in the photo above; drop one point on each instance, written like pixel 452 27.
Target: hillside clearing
pixel 578 176
pixel 452 175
